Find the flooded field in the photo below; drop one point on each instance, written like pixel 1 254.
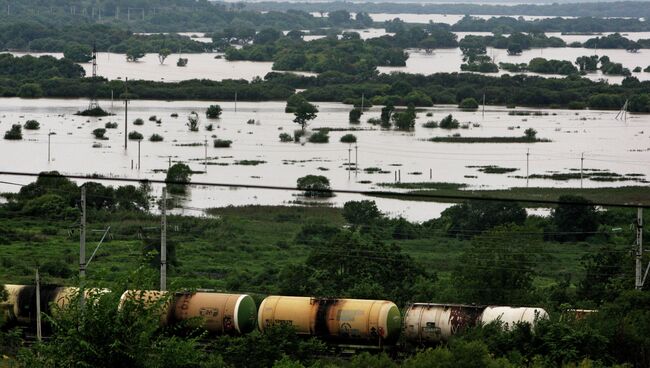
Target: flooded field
pixel 258 157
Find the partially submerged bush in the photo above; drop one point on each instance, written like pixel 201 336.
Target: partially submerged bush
pixel 319 137
pixel 156 138
pixel 314 186
pixel 222 143
pixel 285 137
pixel 448 122
pixel 15 133
pixel 32 125
pixel 99 133
pixel 110 125
pixel 349 138
pixel 134 135
pixel 138 121
pixel 468 103
pixel 213 112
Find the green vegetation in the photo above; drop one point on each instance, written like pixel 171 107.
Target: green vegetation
pixel 468 103
pixel 15 133
pixel 222 143
pixel 32 125
pixel 138 121
pixel 320 136
pixel 156 138
pixel 178 177
pixel 110 125
pixel 355 115
pixel 99 133
pixel 286 137
pixel 135 135
pixel 404 120
pixel 213 112
pixel 448 122
pixel 193 121
pixel 314 186
pixel 349 138
pixel 304 112
pixel 493 169
pixel 542 66
pixel 352 252
pixel 459 139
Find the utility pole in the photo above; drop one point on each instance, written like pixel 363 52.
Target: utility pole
pixel 205 163
pixel 582 161
pixel 527 165
pixel 139 140
pixel 39 334
pixel 639 279
pixel 484 104
pixel 163 241
pixel 49 136
pixel 126 109
pixel 356 159
pixel 235 101
pixel 82 245
pixel 349 159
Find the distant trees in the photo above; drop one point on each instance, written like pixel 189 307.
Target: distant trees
pixel 362 212
pixel 575 220
pixel 77 52
pixel 404 120
pixel 134 53
pixel 30 90
pixel 474 217
pixel 469 103
pixel 355 115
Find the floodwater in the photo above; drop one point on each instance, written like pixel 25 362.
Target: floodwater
pixel 620 146
pixel 449 60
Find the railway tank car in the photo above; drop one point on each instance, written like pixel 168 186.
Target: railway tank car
pixel 510 316
pixel 431 323
pixel 219 314
pixel 22 301
pixel 344 321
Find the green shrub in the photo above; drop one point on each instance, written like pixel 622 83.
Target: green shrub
pixel 448 122
pixel 355 115
pixel 138 121
pixel 213 112
pixel 15 133
pixel 222 143
pixel 135 136
pixel 32 125
pixel 99 133
pixel 209 127
pixel 30 90
pixel 285 137
pixel 314 186
pixel 110 125
pixel 48 205
pixel 374 121
pixel 468 103
pixel 319 137
pixel 430 124
pixel 153 118
pixel 349 138
pixel 576 105
pixel 156 138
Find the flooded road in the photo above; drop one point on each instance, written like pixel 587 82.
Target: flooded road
pixel 619 146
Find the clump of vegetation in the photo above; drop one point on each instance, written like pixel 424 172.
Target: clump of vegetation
pixel 493 169
pixel 95 111
pixel 213 112
pixel 193 121
pixel 374 121
pixel 178 176
pixel 314 186
pixel 32 125
pixel 222 143
pixel 430 124
pixel 297 134
pixel 138 121
pixel 250 121
pixel 99 133
pixel 286 137
pixel 153 118
pixel 174 115
pixel 404 120
pixel 110 125
pixel 209 127
pixel 135 136
pixel 448 122
pixel 355 115
pixel 320 136
pixel 156 138
pixel 15 133
pixel 349 138
pixel 468 103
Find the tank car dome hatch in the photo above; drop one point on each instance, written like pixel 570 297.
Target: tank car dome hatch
pixel 510 316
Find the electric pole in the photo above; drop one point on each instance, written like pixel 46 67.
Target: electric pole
pixel 349 159
pixel 163 241
pixel 527 165
pixel 126 109
pixel 639 279
pixel 235 101
pixel 582 161
pixel 356 158
pixel 82 235
pixel 38 307
pixel 139 140
pixel 49 136
pixel 205 163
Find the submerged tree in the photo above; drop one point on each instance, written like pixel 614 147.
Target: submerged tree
pixel 163 54
pixel 304 112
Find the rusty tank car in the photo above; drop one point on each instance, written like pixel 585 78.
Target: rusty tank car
pixel 218 313
pixel 431 323
pixel 344 321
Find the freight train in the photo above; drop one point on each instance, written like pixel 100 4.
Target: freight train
pixel 342 322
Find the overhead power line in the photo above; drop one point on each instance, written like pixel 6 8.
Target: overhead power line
pixel 409 195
